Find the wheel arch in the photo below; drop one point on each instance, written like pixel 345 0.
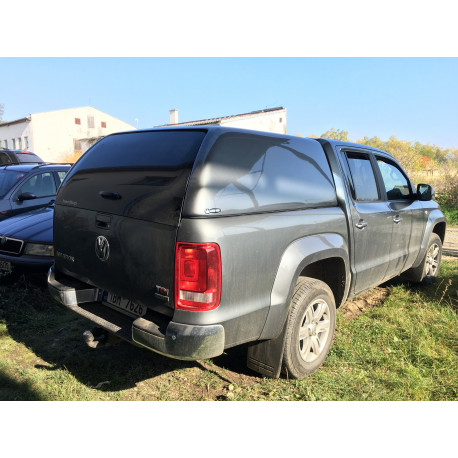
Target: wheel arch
pixel 436 224
pixel 323 257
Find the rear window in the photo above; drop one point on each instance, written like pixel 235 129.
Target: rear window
pixel 8 178
pixel 160 149
pixel 147 171
pixel 28 157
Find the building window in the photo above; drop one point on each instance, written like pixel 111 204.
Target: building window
pixel 26 141
pixel 281 119
pixel 104 124
pixel 90 122
pixel 78 121
pixel 6 144
pixel 14 143
pixel 19 142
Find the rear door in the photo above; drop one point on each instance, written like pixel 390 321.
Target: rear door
pixel 118 210
pixel 371 222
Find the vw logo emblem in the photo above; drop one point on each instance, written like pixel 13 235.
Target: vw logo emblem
pixel 102 248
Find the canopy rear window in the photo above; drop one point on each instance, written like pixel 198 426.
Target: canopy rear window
pixel 161 149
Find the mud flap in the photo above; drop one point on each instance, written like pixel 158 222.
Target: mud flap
pixel 266 357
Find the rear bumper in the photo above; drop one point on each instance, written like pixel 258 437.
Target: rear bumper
pixel 153 331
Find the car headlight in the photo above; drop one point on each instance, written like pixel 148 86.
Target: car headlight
pixel 39 249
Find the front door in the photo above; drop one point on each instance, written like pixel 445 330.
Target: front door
pixel 42 186
pixel 406 211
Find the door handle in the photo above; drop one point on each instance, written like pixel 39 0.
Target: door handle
pixel 110 195
pixel 361 224
pixel 397 219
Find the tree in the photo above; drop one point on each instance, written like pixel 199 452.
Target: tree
pixel 336 134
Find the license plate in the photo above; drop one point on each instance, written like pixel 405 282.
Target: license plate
pixel 122 304
pixel 5 266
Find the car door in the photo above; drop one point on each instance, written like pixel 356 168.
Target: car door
pixel 370 220
pixel 41 185
pixel 406 211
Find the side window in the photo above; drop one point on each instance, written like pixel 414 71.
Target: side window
pixel 4 159
pixel 396 184
pixel 60 177
pixel 42 185
pixel 364 183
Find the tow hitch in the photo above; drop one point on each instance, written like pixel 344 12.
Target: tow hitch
pixel 99 337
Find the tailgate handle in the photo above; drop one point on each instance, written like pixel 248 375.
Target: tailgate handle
pixel 103 221
pixel 110 195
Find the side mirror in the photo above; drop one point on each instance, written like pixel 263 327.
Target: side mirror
pixel 425 192
pixel 26 196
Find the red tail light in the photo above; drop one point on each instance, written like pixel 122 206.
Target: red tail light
pixel 197 276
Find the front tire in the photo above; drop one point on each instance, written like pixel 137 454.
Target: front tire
pixel 310 327
pixel 429 267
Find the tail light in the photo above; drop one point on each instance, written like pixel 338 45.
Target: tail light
pixel 197 276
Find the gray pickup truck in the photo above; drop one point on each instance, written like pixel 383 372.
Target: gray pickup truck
pixel 193 240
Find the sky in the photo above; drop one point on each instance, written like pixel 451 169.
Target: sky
pixel 415 99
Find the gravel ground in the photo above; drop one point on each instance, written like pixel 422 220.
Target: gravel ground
pixel 450 249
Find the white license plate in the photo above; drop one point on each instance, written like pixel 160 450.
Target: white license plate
pixel 123 304
pixel 5 266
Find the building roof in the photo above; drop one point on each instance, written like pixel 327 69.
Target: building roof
pixel 203 122
pixel 16 121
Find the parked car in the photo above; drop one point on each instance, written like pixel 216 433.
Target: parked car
pixel 26 243
pixel 10 156
pixel 205 238
pixel 27 187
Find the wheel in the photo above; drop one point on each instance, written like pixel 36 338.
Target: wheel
pixel 310 327
pixel 429 267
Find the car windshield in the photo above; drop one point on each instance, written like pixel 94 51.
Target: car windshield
pixel 8 178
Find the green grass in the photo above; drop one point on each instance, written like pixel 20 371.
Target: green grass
pixel 404 349
pixel 451 215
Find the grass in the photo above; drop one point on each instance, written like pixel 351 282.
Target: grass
pixel 406 348
pixel 451 215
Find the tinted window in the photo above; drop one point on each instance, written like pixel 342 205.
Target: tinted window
pixel 28 157
pixel 160 149
pixel 396 184
pixel 149 170
pixel 245 172
pixel 4 158
pixel 8 178
pixel 364 184
pixel 42 185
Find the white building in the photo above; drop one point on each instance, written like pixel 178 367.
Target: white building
pixel 57 136
pixel 269 120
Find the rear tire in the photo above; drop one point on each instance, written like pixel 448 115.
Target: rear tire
pixel 428 269
pixel 310 327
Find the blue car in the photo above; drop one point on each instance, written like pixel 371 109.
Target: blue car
pixel 26 242
pixel 27 187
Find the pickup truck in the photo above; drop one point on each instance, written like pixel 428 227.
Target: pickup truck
pixel 188 241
